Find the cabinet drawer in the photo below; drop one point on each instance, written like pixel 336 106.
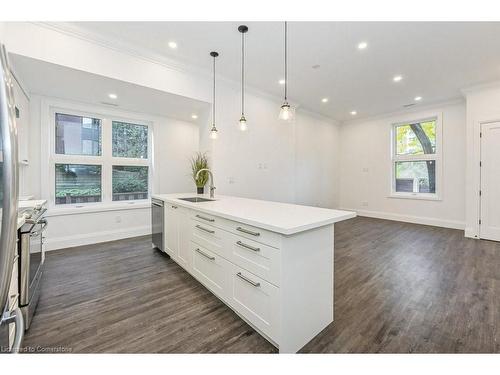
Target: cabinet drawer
pixel 256 234
pixel 256 300
pixel 259 259
pixel 209 237
pixel 247 231
pixel 205 218
pixel 211 270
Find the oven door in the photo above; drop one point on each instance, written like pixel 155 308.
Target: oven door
pixel 32 259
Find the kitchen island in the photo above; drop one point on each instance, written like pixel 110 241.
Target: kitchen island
pixel 271 262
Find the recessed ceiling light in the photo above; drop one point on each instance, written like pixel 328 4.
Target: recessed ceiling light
pixel 194 116
pixel 113 96
pixel 397 78
pixel 172 45
pixel 354 113
pixel 324 100
pixel 418 98
pixel 281 81
pixel 362 45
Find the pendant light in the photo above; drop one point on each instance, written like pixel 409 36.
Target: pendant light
pixel 285 111
pixel 243 121
pixel 213 130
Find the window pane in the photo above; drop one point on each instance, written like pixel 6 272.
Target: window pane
pixel 416 139
pixel 130 183
pixel 130 140
pixel 416 176
pixel 78 183
pixel 77 135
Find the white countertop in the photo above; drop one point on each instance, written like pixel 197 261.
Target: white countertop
pixel 32 203
pixel 25 205
pixel 277 217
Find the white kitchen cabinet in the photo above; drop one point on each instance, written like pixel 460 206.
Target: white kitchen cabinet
pixel 211 270
pixel 256 300
pixel 184 254
pixel 22 122
pixel 278 277
pixel 172 226
pixel 178 235
pixel 281 285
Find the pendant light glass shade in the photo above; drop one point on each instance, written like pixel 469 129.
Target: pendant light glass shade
pixel 286 112
pixel 243 121
pixel 213 130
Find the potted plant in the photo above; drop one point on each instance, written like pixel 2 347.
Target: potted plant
pixel 199 161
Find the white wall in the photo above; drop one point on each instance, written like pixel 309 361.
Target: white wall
pixel 483 105
pixel 174 142
pixel 292 162
pixel 269 143
pixel 366 169
pixel 317 161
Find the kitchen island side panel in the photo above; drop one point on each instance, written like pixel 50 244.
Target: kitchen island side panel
pixel 306 287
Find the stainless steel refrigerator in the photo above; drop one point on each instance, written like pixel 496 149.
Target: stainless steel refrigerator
pixel 8 207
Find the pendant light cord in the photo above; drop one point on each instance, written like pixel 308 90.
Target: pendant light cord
pixel 286 63
pixel 242 74
pixel 213 109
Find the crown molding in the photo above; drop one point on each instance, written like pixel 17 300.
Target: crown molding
pixel 412 110
pixel 480 87
pixel 154 58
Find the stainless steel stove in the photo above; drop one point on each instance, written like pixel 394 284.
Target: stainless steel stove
pixel 31 262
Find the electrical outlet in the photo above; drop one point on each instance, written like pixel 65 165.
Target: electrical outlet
pixel 118 219
pixel 230 180
pixel 364 204
pixel 365 170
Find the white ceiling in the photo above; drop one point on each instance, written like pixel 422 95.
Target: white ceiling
pixel 61 82
pixel 435 59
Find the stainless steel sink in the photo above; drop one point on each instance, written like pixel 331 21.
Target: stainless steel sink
pixel 196 199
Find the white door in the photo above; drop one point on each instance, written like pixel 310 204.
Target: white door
pixel 490 181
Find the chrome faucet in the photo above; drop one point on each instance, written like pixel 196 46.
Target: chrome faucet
pixel 212 187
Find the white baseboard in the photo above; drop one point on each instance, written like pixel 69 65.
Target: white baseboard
pixel 96 237
pixel 410 219
pixel 471 233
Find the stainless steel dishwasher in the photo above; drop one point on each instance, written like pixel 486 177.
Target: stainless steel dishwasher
pixel 157 224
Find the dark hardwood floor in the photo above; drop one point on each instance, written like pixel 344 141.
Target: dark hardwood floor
pixel 399 288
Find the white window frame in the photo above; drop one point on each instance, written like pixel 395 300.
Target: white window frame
pixel 106 160
pixel 423 157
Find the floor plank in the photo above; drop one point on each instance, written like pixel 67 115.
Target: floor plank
pixel 399 288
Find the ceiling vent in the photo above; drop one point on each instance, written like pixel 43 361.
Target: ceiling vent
pixel 111 104
pixel 408 105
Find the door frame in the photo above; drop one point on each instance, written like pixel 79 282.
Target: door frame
pixel 480 175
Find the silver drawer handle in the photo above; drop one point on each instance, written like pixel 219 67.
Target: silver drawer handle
pixel 247 246
pixel 205 229
pixel 255 284
pixel 240 229
pixel 205 218
pixel 205 255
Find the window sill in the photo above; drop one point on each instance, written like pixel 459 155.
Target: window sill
pixel 416 196
pixel 74 209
